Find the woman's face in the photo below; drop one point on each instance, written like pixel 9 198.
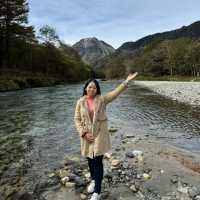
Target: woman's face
pixel 91 89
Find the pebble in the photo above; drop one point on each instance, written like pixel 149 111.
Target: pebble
pixel 51 175
pixel 83 196
pixel 133 188
pixel 197 197
pixel 140 158
pixel 117 149
pixel 65 179
pixel 63 173
pixel 87 175
pixel 115 162
pixel 130 154
pixel 129 136
pixel 166 198
pixel 112 130
pixel 124 141
pixel 137 153
pixel 194 191
pixel 174 180
pixel 146 176
pixel 162 171
pixel 108 155
pixel 69 184
pixel 183 190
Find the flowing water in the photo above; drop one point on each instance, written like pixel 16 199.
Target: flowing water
pixel 37 124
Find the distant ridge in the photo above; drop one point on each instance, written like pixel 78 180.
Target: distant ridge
pixel 193 30
pixel 151 55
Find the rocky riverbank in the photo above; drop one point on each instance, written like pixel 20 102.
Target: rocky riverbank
pixel 139 168
pixel 12 84
pixel 186 92
pixel 11 80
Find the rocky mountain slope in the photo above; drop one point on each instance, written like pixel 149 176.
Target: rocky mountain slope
pixel 91 49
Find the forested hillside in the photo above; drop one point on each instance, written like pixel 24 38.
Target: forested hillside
pixel 165 54
pixel 29 60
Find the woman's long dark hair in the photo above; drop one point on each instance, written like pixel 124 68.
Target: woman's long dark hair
pixel 96 84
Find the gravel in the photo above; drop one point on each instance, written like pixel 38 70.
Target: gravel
pixel 186 92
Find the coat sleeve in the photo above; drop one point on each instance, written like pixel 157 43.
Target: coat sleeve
pixel 77 120
pixel 110 96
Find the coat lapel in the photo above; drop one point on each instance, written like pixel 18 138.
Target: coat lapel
pixel 87 109
pixel 96 108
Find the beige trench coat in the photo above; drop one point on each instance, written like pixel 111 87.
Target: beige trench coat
pixel 99 126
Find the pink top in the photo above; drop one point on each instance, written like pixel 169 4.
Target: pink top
pixel 90 103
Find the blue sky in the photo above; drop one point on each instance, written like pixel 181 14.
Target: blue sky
pixel 114 21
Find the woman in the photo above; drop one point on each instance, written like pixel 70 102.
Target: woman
pixel 91 122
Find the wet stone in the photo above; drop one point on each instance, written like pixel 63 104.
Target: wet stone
pixel 115 163
pixel 125 165
pixel 63 173
pixel 130 154
pixel 107 155
pixel 174 180
pixel 166 198
pixel 112 130
pixel 130 136
pixel 124 141
pixel 71 161
pixel 197 197
pixel 45 184
pixel 80 181
pixel 72 177
pixel 183 190
pixel 65 179
pixel 117 149
pixel 83 196
pixel 105 195
pixel 133 188
pixel 87 175
pixel 194 191
pixel 24 196
pixel 69 184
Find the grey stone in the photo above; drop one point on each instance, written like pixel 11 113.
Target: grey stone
pixel 194 191
pixel 25 196
pixel 130 154
pixel 133 188
pixel 197 197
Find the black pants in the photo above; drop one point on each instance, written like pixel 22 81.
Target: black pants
pixel 96 171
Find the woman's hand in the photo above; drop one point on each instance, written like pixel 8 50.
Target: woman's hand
pixel 131 76
pixel 89 137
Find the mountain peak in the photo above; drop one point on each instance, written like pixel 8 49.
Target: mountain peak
pixel 91 49
pixel 88 39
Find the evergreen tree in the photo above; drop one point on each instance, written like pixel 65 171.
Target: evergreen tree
pixel 48 35
pixel 13 20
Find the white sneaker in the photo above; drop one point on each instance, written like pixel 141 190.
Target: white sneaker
pixel 95 196
pixel 91 186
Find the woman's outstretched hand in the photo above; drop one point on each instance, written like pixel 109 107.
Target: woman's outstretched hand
pixel 131 76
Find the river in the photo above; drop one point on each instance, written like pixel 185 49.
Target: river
pixel 37 125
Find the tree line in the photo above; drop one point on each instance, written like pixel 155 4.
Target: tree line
pixel 158 58
pixel 22 51
pixel 170 57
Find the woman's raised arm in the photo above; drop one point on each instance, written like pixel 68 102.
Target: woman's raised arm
pixel 110 96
